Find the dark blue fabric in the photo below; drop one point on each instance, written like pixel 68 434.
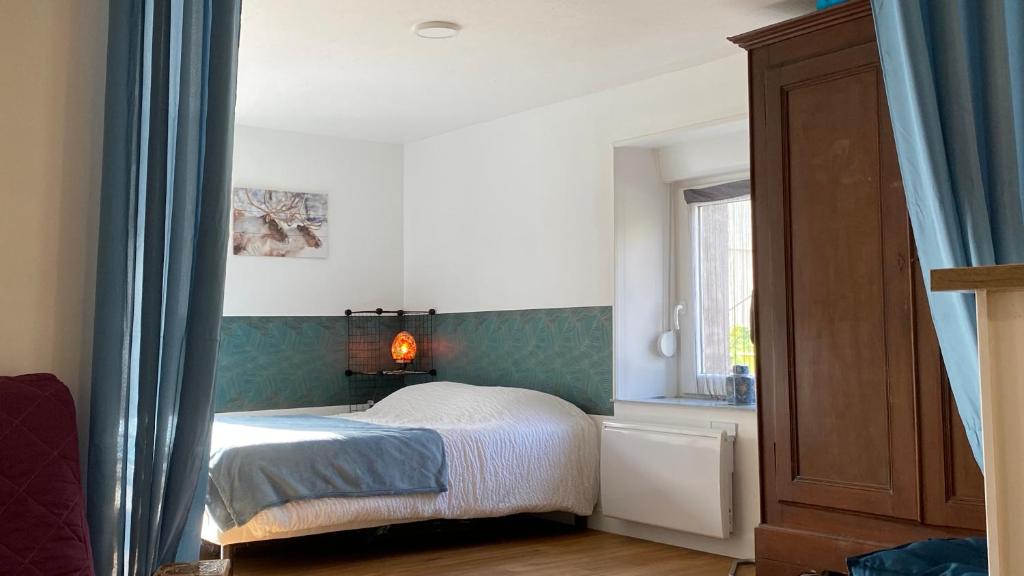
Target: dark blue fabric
pixel 169 119
pixel 954 78
pixel 965 557
pixel 261 461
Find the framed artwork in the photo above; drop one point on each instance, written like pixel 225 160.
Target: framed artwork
pixel 278 223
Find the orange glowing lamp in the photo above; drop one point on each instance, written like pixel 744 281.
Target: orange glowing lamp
pixel 403 348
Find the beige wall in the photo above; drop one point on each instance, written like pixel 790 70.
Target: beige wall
pixel 52 66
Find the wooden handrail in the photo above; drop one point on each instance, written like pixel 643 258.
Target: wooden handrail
pixel 978 278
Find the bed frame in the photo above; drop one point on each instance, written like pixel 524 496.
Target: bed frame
pixel 211 550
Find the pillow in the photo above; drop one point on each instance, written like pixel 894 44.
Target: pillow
pixel 961 557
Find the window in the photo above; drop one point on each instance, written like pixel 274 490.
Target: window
pixel 723 270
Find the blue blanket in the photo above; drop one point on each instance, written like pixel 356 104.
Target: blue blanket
pixel 261 461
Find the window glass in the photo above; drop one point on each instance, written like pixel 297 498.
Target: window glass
pixel 724 271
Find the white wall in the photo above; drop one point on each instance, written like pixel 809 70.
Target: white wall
pixel 51 143
pixel 642 246
pixel 363 269
pixel 642 233
pixel 707 153
pixel 649 218
pixel 518 212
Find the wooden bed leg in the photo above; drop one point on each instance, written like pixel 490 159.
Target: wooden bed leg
pixel 227 551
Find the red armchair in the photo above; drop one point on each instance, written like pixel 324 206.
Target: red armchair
pixel 43 531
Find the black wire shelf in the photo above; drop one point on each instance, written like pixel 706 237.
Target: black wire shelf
pixel 430 372
pixel 371 372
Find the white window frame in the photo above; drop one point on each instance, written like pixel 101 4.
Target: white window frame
pixel 685 288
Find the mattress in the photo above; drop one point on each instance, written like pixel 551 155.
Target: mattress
pixel 509 451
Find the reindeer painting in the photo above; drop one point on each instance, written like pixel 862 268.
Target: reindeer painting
pixel 278 223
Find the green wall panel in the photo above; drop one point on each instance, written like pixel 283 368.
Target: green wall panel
pixel 566 352
pixel 286 362
pixel 281 362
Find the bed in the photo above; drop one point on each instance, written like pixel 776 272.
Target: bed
pixel 508 451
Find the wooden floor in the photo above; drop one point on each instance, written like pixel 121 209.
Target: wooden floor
pixel 517 547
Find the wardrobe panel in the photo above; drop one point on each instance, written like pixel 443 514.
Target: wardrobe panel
pixel 839 380
pixel 845 397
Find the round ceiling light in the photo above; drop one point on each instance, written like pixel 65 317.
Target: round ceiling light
pixel 436 29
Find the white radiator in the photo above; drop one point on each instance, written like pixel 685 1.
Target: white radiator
pixel 674 477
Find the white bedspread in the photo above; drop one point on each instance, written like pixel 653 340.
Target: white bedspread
pixel 509 451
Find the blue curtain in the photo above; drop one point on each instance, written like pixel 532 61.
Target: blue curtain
pixel 954 78
pixel 170 94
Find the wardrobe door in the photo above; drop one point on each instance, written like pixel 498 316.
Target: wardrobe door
pixel 840 287
pixel 954 488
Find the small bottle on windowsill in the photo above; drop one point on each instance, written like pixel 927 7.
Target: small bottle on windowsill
pixel 739 386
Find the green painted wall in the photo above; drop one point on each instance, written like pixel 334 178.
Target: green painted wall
pixel 281 362
pixel 566 352
pixel 285 362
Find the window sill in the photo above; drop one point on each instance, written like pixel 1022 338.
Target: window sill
pixel 693 402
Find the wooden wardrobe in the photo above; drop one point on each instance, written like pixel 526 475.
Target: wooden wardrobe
pixel 861 447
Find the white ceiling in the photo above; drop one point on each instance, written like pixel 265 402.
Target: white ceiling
pixel 354 69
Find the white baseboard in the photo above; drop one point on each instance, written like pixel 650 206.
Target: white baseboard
pixel 735 547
